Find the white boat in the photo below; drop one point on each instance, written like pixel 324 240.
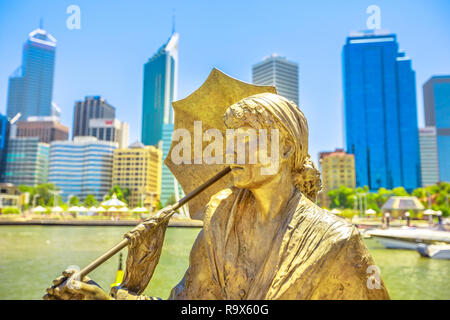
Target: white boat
pixel 437 251
pixel 408 238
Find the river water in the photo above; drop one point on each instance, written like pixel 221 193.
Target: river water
pixel 32 256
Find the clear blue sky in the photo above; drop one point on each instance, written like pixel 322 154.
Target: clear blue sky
pixel 107 55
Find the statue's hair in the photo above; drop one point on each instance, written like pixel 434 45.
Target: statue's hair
pixel 254 111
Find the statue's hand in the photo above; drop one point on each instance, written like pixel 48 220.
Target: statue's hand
pixel 74 289
pixel 145 228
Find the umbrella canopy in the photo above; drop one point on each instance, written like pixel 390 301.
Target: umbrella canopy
pixel 82 209
pixel 207 104
pixel 101 209
pixel 403 204
pixel 370 212
pixel 139 209
pixel 57 209
pixel 92 209
pixel 123 209
pixel 429 212
pixel 74 209
pixel 112 209
pixel 113 202
pixel 39 209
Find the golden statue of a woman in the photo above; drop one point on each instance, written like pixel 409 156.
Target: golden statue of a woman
pixel 263 238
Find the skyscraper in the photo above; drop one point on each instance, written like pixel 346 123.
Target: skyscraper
pixel 279 72
pixel 4 137
pixel 82 167
pixel 160 90
pixel 93 107
pixel 436 98
pixel 380 111
pixel 428 156
pixel 30 87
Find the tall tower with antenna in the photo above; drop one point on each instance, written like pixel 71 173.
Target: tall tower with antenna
pixel 30 89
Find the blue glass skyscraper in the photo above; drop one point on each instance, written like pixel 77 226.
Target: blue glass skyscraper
pixel 436 98
pixel 31 85
pixel 160 89
pixel 380 112
pixel 4 136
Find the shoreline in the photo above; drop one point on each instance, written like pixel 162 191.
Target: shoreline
pixel 99 223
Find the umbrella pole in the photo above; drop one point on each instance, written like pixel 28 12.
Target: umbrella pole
pixel 122 244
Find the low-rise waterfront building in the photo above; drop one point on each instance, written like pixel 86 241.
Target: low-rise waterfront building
pixel 9 195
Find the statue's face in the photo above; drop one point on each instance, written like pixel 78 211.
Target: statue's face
pixel 253 175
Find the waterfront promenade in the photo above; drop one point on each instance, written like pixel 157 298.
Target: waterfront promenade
pixel 187 223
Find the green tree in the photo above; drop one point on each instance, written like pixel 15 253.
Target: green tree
pixel 341 197
pixel 74 201
pixel 400 192
pixel 90 201
pixel 41 193
pixel 382 196
pixel 121 194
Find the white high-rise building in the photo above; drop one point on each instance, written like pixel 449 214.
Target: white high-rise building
pixel 428 156
pixel 109 130
pixel 279 72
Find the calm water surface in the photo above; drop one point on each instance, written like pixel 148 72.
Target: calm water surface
pixel 32 256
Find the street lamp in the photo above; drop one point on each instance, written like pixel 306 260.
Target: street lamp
pixel 55 193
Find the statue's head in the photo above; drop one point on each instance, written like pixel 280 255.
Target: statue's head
pixel 271 111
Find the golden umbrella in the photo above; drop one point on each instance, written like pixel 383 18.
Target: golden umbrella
pixel 208 105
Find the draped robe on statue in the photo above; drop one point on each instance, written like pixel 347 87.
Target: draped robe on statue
pixel 314 255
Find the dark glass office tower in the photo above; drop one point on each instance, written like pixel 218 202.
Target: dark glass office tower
pixel 436 98
pixel 93 107
pixel 380 112
pixel 30 87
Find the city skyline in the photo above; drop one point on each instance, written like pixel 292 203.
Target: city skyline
pixel 128 44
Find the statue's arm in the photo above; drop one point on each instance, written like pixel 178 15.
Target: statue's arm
pixel 142 260
pixel 198 282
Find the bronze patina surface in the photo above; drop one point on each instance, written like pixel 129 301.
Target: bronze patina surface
pixel 263 236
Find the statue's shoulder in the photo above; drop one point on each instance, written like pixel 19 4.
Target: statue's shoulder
pixel 325 222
